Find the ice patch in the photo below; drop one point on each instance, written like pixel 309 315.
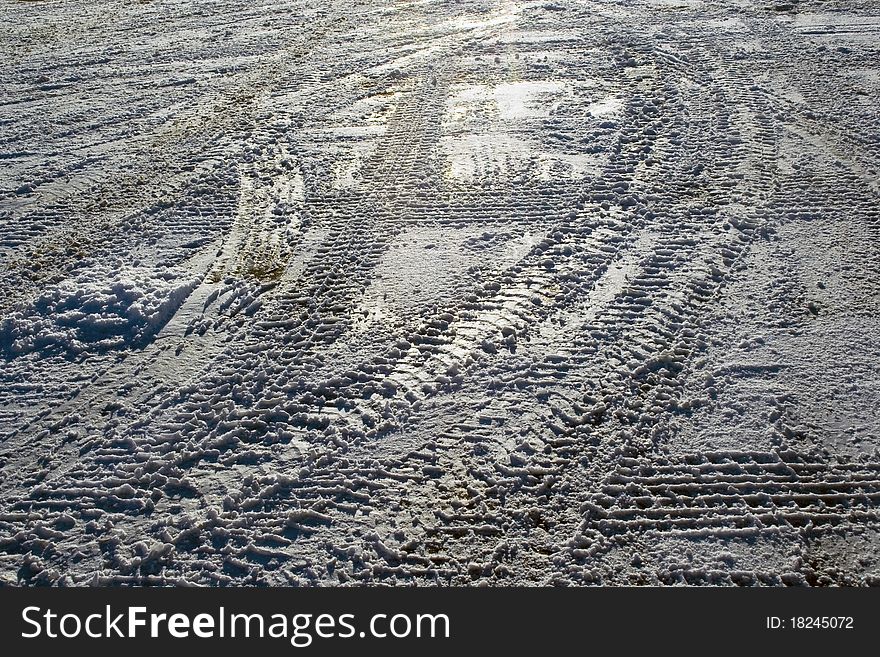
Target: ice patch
pixel 494 131
pixel 522 100
pixel 606 107
pixel 483 156
pixel 512 101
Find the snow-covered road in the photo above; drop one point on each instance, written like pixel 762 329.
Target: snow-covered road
pixel 439 292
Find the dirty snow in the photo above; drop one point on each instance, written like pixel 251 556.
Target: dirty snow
pixel 473 292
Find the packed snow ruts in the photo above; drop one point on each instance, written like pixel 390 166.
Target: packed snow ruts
pixel 472 292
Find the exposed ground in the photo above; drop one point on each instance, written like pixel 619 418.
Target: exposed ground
pixel 439 292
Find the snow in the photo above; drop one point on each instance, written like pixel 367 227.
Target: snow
pixel 486 292
pixel 102 309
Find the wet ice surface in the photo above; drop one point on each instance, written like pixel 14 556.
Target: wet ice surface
pixel 497 292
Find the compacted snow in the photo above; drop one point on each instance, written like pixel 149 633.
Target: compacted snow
pixel 439 292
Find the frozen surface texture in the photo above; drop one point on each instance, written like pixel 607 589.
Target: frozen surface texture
pixel 439 292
